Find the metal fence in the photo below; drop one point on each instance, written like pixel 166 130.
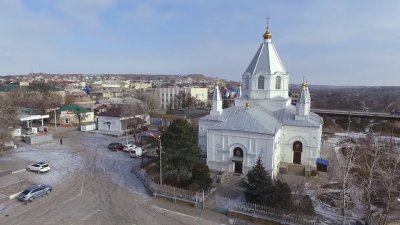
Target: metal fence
pixel 263 212
pixel 141 175
pixel 173 193
pixel 180 194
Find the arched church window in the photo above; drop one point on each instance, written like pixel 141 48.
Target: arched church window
pixel 297 146
pixel 261 82
pixel 247 83
pixel 278 82
pixel 238 152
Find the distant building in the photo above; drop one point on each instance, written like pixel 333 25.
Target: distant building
pixel 113 84
pixel 108 93
pixel 295 96
pixel 140 85
pixel 23 83
pixel 175 97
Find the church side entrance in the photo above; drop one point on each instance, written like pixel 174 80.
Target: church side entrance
pixel 297 149
pixel 238 160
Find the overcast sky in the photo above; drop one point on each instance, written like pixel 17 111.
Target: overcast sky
pixel 336 42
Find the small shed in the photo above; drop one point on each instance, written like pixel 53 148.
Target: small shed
pixel 322 164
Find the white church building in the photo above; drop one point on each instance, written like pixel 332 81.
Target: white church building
pixel 263 123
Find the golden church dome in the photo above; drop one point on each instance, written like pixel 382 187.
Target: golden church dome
pixel 267 35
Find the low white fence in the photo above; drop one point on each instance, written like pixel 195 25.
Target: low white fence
pixel 38 139
pixel 88 127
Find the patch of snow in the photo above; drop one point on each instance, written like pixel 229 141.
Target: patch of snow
pixel 62 162
pixel 117 165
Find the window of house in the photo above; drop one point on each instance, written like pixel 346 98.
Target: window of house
pixel 247 83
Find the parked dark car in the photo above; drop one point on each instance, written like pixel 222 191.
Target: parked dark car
pixel 115 146
pixel 395 112
pixel 35 191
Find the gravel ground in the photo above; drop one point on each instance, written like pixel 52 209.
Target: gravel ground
pixel 92 185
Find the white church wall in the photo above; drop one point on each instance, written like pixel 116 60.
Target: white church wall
pixel 204 125
pixel 220 146
pixel 276 153
pixel 310 139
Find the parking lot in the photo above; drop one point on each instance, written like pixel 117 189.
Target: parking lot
pixel 92 185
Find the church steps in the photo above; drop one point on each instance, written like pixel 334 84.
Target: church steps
pixel 233 180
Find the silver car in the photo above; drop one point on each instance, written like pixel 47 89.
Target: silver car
pixel 35 191
pixel 39 167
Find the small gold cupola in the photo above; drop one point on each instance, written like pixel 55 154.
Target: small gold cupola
pixel 267 34
pixel 247 105
pixel 304 84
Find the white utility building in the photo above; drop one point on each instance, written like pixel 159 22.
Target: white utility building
pixel 263 123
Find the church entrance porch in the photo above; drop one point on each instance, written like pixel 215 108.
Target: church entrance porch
pixel 237 159
pixel 297 169
pixel 297 149
pixel 238 167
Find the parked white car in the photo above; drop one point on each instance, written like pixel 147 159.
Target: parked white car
pixel 137 152
pixel 9 145
pixel 129 147
pixel 39 167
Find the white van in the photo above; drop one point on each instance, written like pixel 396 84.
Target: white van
pixel 136 152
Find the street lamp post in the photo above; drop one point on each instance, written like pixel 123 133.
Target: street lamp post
pixel 159 148
pixel 158 138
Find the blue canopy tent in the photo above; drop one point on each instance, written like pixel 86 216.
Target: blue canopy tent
pixel 322 164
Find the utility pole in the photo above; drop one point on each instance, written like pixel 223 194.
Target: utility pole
pixel 55 115
pixel 126 131
pixel 348 128
pixel 55 118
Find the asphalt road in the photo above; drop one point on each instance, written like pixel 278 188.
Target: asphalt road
pixel 101 191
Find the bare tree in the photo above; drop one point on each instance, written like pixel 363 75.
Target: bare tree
pixel 388 186
pixel 133 113
pixel 369 158
pixel 378 175
pixel 80 116
pixel 347 163
pixel 8 119
pixel 69 99
pixel 148 103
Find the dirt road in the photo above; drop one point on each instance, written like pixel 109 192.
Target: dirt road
pixel 100 191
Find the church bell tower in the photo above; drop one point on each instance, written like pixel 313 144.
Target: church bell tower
pixel 266 77
pixel 304 103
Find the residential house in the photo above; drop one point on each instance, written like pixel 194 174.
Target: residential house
pixel 114 121
pixel 73 115
pixel 100 108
